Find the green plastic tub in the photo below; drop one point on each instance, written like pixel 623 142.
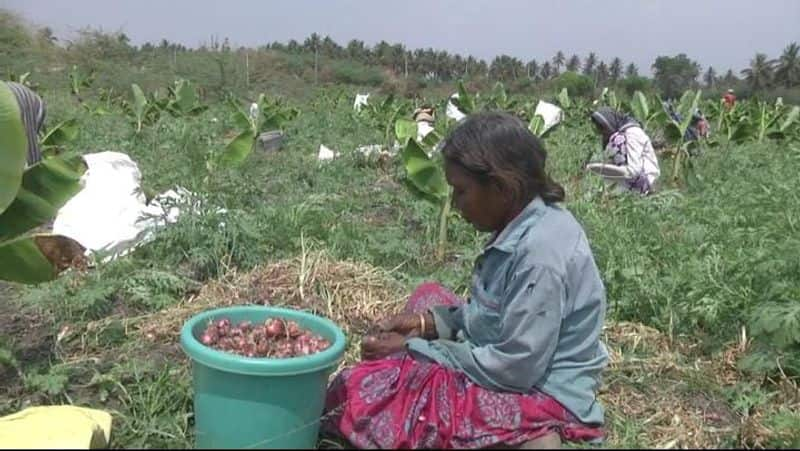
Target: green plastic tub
pixel 259 403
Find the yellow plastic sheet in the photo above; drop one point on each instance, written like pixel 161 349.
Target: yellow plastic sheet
pixel 55 427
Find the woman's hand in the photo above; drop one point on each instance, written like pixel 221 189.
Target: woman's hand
pixel 408 324
pixel 403 324
pixel 381 345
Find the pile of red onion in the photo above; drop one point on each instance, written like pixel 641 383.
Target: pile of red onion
pixel 276 338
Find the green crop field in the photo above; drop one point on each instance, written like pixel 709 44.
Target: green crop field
pixel 702 277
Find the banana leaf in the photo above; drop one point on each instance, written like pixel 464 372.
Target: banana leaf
pixel 238 149
pixel 38 258
pixel 423 173
pixel 640 107
pixel 62 133
pixel 536 125
pixel 186 98
pixel 563 99
pixel 793 115
pixel 405 129
pixel 139 106
pixel 13 147
pixel 465 102
pixel 46 187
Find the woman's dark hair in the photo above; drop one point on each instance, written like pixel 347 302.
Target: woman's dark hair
pixel 498 147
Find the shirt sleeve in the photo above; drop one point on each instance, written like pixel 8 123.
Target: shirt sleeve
pixel 528 335
pixel 449 320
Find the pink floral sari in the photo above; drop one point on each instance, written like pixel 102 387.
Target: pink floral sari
pixel 402 403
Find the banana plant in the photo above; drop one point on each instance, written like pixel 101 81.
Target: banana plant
pixel 141 110
pixel 780 129
pixel 676 131
pixel 23 79
pixel 773 121
pixel 264 115
pixel 28 199
pixel 78 80
pixel 500 100
pixel 59 135
pixel 609 98
pixel 642 111
pixel 465 102
pixel 382 116
pixel 734 124
pixel 425 174
pixel 183 99
pixel 536 126
pixel 563 99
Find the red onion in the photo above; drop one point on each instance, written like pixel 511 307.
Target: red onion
pixel 275 337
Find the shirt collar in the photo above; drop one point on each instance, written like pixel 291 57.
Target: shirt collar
pixel 508 238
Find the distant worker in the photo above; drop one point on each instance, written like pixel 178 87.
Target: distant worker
pixel 699 126
pixel 729 98
pixel 629 151
pixel 33 112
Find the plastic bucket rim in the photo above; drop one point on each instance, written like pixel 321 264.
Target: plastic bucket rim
pixel 250 366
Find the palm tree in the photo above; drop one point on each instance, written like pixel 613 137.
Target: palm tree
pixel 312 42
pixel 399 62
pixel 631 71
pixel 470 65
pixel 547 70
pixel 574 63
pixel 355 49
pixel 730 78
pixel 615 71
pixel 588 65
pixel 788 71
pixel 533 69
pixel 710 78
pixel 601 75
pixel 760 73
pixel 558 62
pixel 331 48
pixel 47 36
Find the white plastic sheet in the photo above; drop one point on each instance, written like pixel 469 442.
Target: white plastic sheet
pixel 110 216
pixel 423 129
pixel 325 153
pixel 551 114
pixel 361 100
pixel 452 111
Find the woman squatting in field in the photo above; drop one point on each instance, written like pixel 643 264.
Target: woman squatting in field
pixel 33 113
pixel 628 147
pixel 518 364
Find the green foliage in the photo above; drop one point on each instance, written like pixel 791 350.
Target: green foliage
pixel 29 197
pixel 563 99
pixel 78 80
pixel 356 74
pixel 264 115
pixel 465 101
pixel 52 383
pixel 13 147
pixel 674 74
pixel 667 260
pixel 578 85
pixel 61 134
pixel 184 99
pixel 630 85
pixel 786 425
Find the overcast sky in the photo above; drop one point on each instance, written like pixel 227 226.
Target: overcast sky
pixel 721 33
